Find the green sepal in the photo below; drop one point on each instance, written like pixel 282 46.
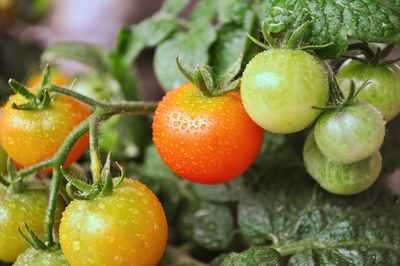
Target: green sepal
pixel 45 100
pixel 106 177
pixel 15 181
pixel 204 79
pixel 296 38
pixel 369 56
pixel 33 240
pixel 21 89
pixel 121 177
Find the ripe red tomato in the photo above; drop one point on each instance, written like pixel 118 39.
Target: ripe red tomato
pixel 203 139
pixel 29 137
pixel 126 228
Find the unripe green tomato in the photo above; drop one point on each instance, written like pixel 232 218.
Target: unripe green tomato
pixel 383 92
pixel 279 88
pixel 350 134
pixel 337 178
pixel 33 257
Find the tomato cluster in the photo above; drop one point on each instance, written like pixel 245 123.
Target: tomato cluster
pixel 128 227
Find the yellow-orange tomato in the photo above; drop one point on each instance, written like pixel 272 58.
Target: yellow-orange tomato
pixel 29 137
pixel 126 228
pixel 203 139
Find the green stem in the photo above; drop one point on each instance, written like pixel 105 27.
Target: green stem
pixel 58 160
pixel 95 161
pixel 51 207
pixel 34 168
pixel 130 108
pixel 74 94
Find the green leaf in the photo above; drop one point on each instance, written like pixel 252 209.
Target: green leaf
pixel 260 256
pixel 204 12
pixel 233 10
pixel 192 48
pixel 227 192
pixel 149 33
pixel 81 52
pixel 209 225
pixel 231 43
pixel 266 213
pixel 334 21
pixel 318 228
pixel 174 6
pixel 358 239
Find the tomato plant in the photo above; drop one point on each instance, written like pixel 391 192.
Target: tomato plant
pixel 27 131
pixel 383 90
pixel 280 84
pixel 351 133
pixel 16 209
pixel 232 193
pixel 343 179
pixel 127 227
pixel 204 139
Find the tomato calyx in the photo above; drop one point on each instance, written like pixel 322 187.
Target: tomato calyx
pixel 371 57
pixel 205 80
pixel 41 100
pixel 353 93
pixel 32 238
pixel 80 190
pixel 291 40
pixel 13 182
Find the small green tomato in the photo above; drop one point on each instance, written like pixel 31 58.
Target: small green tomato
pixel 350 134
pixel 383 92
pixel 279 88
pixel 337 178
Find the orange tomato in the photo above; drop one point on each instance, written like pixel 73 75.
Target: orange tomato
pixel 126 228
pixel 29 137
pixel 203 139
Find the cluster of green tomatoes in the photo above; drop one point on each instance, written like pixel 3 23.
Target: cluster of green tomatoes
pixel 285 91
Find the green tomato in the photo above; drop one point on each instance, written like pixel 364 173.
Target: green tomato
pixel 337 178
pixel 383 92
pixel 350 134
pixel 279 88
pixel 33 257
pixel 16 209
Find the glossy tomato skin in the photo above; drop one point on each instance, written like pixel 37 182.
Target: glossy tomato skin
pixel 29 137
pixel 383 92
pixel 279 88
pixel 16 209
pixel 337 178
pixel 208 140
pixel 33 257
pixel 126 228
pixel 350 134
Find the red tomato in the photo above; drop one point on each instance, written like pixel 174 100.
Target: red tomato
pixel 203 139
